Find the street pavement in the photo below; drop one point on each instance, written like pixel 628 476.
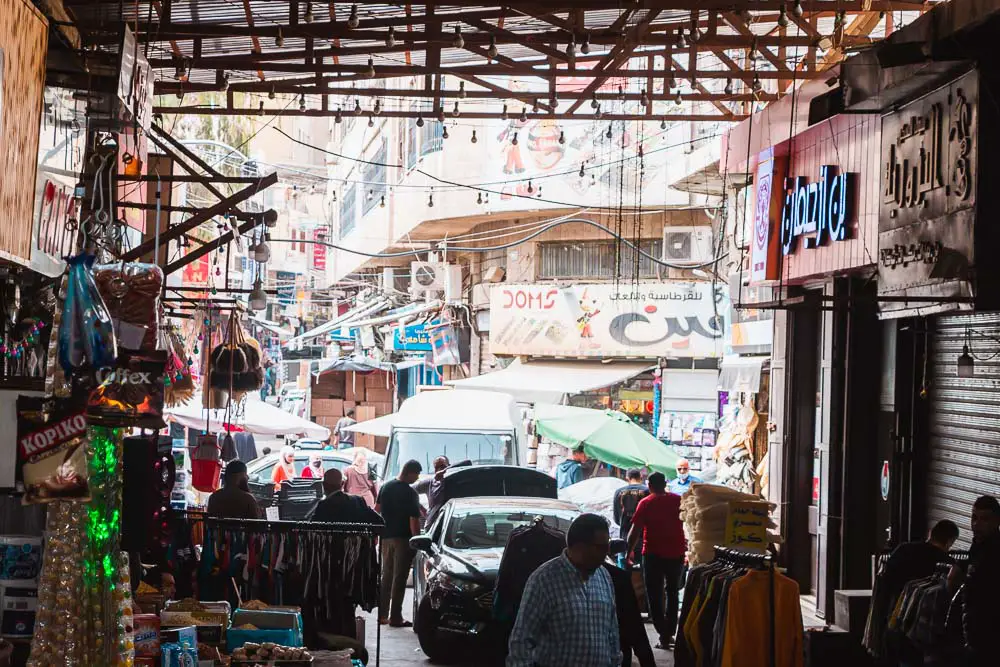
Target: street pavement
pixel 400 646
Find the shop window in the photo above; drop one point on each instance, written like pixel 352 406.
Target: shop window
pixel 597 259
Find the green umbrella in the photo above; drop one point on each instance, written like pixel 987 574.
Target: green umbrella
pixel 606 435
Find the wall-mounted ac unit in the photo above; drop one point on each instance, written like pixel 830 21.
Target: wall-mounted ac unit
pixel 431 276
pixel 687 245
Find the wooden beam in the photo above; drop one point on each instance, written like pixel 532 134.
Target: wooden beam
pixel 741 27
pixel 515 38
pixel 474 115
pixel 198 253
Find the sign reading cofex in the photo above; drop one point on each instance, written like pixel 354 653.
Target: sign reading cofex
pixel 821 210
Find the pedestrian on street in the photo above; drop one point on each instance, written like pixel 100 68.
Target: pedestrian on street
pixel 570 471
pixel 657 522
pixel 285 468
pixel 982 584
pixel 315 468
pixel 358 479
pixel 680 484
pixel 234 500
pixel 433 487
pixel 626 499
pixel 567 616
pixel 338 507
pixel 343 437
pixel 399 506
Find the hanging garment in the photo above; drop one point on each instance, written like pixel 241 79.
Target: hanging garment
pixel 528 547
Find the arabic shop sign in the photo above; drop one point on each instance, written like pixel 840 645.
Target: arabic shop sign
pixel 746 524
pixel 818 211
pixel 412 338
pixel 645 320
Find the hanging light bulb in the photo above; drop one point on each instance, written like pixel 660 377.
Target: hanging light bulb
pixel 457 40
pixel 371 194
pixel 302 102
pixel 782 17
pixel 757 85
pixel 456 112
pixel 599 113
pixel 534 105
pixel 381 204
pixel 571 47
pixel 430 200
pixel 681 41
pixel 608 134
pixel 444 132
pixel 420 120
pixel 338 117
pixel 640 153
pixel 582 172
pixel 461 90
pixel 585 45
pixel 492 50
pixel 797 9
pixel 663 123
pixel 524 114
pixel 371 120
pixel 390 38
pixel 530 187
pixel 352 20
pixel 562 137
pixel 539 192
pixel 479 199
pixel 335 196
pixel 262 252
pixel 260 108
pixel 357 107
pixel 473 139
pixel 370 72
pixel 593 102
pixel 279 41
pixel 378 107
pixel 441 114
pixel 258 297
pixel 678 100
pixel 513 142
pixel 503 114
pixel 271 94
pixel 671 81
pixel 308 16
pixel 695 35
pixel 644 98
pixel 729 87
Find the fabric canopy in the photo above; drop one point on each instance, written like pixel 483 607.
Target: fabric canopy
pixel 380 426
pixel 354 364
pixel 253 416
pixel 606 435
pixel 741 374
pixel 549 381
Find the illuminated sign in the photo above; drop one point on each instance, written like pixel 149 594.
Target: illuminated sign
pixel 819 211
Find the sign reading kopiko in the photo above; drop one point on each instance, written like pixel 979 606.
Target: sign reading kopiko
pixel 822 209
pixel 654 319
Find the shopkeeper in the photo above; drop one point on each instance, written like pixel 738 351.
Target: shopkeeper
pixel 234 500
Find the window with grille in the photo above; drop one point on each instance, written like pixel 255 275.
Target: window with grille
pixel 596 260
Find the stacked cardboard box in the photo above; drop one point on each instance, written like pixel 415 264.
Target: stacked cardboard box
pixel 370 396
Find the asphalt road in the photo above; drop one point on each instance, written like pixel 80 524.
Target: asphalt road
pixel 400 646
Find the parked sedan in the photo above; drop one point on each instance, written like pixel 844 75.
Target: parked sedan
pixel 458 557
pixel 260 469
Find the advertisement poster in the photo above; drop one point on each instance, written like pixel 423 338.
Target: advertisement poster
pixel 646 319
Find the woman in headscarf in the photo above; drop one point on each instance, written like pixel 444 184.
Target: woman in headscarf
pixel 357 481
pixel 285 469
pixel 315 468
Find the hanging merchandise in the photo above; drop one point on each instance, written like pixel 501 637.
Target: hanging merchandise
pixel 131 394
pixel 734 453
pixel 178 385
pixel 444 346
pixel 86 334
pixel 706 513
pixel 52 454
pixel 236 363
pixel 206 466
pixel 132 294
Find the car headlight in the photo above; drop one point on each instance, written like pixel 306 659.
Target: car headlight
pixel 454 584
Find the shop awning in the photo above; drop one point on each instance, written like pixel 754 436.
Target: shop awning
pixel 254 416
pixel 741 374
pixel 355 365
pixel 380 426
pixel 357 313
pixel 549 381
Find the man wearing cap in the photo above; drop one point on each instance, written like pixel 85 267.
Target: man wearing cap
pixel 684 479
pixel 234 500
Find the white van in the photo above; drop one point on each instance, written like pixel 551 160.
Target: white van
pixel 484 427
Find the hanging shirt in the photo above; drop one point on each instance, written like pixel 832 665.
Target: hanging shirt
pixel 748 617
pixel 566 619
pixel 659 518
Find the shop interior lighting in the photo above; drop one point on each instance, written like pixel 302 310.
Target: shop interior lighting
pixel 966 364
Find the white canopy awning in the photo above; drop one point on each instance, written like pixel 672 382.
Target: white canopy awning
pixel 273 327
pixel 549 381
pixel 380 426
pixel 741 374
pixel 254 416
pixel 357 313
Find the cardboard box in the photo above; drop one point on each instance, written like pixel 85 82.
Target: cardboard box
pixel 364 413
pixel 378 395
pixel 382 409
pixel 365 440
pixel 353 387
pixel 332 407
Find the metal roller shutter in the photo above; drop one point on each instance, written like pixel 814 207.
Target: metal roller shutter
pixel 964 420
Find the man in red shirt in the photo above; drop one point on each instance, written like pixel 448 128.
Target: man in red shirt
pixel 657 520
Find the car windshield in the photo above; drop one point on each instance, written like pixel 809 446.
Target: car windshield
pixel 476 528
pixel 425 446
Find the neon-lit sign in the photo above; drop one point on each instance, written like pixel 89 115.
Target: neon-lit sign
pixel 819 211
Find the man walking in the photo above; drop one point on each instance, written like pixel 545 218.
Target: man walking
pixel 657 521
pixel 627 499
pixel 567 615
pixel 399 506
pixel 343 438
pixel 680 484
pixel 982 585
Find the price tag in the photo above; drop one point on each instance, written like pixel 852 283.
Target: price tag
pixel 272 513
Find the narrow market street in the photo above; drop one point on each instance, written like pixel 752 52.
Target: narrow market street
pixel 400 647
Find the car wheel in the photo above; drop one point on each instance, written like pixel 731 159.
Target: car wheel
pixel 425 624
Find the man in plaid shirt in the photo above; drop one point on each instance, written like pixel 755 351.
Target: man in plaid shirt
pixel 567 615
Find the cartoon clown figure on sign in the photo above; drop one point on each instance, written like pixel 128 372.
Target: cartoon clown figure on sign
pixel 588 311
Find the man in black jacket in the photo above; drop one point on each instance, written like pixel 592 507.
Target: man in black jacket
pixel 982 585
pixel 338 507
pixel 631 630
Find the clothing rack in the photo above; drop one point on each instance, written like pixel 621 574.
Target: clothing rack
pixel 267 526
pixel 757 561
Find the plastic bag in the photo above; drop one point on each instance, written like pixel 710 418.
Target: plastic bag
pixel 131 394
pixel 132 294
pixel 87 335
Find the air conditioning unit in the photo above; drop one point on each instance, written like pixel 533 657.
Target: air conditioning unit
pixel 429 276
pixel 687 245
